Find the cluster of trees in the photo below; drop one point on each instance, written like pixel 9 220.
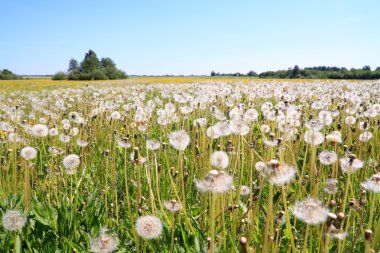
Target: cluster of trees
pixel 91 68
pixel 8 75
pixel 250 73
pixel 321 72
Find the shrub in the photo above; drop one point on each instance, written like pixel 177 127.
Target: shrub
pixel 59 76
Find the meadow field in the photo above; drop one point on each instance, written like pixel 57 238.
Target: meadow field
pixel 190 164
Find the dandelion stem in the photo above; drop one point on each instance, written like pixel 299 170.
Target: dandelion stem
pixel 212 222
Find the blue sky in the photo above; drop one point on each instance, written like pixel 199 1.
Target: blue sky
pixel 189 37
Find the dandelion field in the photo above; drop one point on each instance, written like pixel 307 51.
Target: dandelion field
pixel 207 165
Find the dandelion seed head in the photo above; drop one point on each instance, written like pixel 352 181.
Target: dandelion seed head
pixel 265 129
pixel 179 140
pixel 82 143
pixel 219 160
pixel 104 243
pixel 173 205
pixel 350 164
pixel 216 182
pixel 56 151
pixel 314 137
pixel 13 220
pixel 310 211
pixel 365 137
pixel 53 132
pixel 70 163
pixel 148 227
pixel 39 130
pixel 327 157
pixel 372 184
pixel 244 190
pixel 153 144
pixel 335 137
pixel 350 120
pixel 115 115
pixel 278 173
pixel 260 166
pixel 331 186
pixel 123 143
pixel 28 153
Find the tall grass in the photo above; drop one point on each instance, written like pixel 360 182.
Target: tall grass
pixel 116 184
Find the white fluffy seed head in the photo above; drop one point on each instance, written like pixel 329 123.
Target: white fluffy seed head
pixel 327 157
pixel 173 206
pixel 148 227
pixel 314 137
pixel 310 211
pixel 279 173
pixel 219 160
pixel 104 243
pixel 179 140
pixel 70 163
pixel 372 184
pixel 260 166
pixel 28 153
pixel 40 130
pixel 13 220
pixel 153 144
pixel 244 190
pixel 350 165
pixel 335 136
pixel 331 186
pixel 216 182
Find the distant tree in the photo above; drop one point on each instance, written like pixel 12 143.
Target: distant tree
pixel 213 73
pixel 59 76
pixel 99 74
pixel 90 62
pixel 107 63
pixel 251 73
pixel 73 65
pixel 75 75
pixel 296 72
pixel 93 69
pixel 367 68
pixel 8 75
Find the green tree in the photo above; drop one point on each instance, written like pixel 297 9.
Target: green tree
pixel 73 65
pixel 90 62
pixel 367 68
pixel 251 73
pixel 59 76
pixel 99 74
pixel 296 72
pixel 107 63
pixel 93 69
pixel 8 75
pixel 75 75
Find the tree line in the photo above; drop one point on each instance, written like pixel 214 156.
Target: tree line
pixel 320 72
pixel 8 75
pixel 91 68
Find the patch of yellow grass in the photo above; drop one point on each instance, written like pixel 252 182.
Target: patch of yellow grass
pixel 43 83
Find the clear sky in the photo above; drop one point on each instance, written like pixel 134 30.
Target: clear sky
pixel 189 37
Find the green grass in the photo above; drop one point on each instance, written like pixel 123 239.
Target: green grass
pixel 110 190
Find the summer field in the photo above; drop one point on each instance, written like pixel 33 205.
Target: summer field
pixel 189 164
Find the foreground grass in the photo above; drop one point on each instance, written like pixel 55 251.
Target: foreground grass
pixel 239 206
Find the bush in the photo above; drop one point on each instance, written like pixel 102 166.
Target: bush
pixel 8 75
pixel 59 76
